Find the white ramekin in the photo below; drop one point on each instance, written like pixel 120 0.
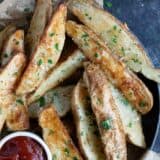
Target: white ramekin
pixel 30 135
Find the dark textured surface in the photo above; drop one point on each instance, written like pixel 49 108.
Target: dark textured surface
pixel 143 19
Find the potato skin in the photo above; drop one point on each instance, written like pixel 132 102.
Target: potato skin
pixel 46 54
pixel 125 80
pixel 106 112
pixel 56 136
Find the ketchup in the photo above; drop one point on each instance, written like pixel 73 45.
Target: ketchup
pixel 22 148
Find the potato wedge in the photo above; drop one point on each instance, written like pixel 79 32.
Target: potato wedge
pixel 14 44
pixel 17 116
pixel 117 36
pixel 131 119
pixel 41 16
pixel 8 76
pixel 129 84
pixel 6 100
pixel 46 54
pixel 60 97
pixel 86 126
pixel 5 33
pixel 106 112
pixel 59 74
pixel 56 136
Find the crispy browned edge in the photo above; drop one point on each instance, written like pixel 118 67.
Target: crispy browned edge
pixel 97 83
pixel 46 118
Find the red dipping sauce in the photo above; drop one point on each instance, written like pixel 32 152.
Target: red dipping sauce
pixel 22 148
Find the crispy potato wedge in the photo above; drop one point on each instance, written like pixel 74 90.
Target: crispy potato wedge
pixel 41 16
pixel 14 44
pixel 131 119
pixel 6 100
pixel 59 74
pixel 60 97
pixel 106 112
pixel 129 84
pixel 17 116
pixel 56 136
pixel 87 130
pixel 5 33
pixel 117 36
pixel 8 76
pixel 46 54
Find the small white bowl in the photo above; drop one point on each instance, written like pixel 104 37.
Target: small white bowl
pixel 30 135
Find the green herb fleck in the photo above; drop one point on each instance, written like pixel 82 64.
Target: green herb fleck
pixel 96 55
pixel 54 157
pixel 20 101
pixel 107 124
pixel 142 104
pixel 130 125
pixel 115 27
pixel 42 101
pixel 85 35
pixel 39 62
pixel 26 10
pixel 51 132
pixel 75 158
pixel 5 55
pixel 51 34
pixel 86 14
pixel 66 151
pixel 17 42
pixel 108 4
pixel 114 39
pixel 124 101
pixel 50 61
pixel 56 46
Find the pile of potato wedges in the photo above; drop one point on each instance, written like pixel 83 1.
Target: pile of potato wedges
pixel 93 77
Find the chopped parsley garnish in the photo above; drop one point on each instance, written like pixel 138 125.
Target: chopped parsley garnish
pixel 26 10
pixel 17 42
pixel 56 46
pixel 54 157
pixel 130 125
pixel 114 39
pixel 75 158
pixel 39 62
pixel 87 15
pixel 124 101
pixel 106 124
pixel 20 101
pixel 108 4
pixel 51 132
pixel 42 101
pixel 85 35
pixel 5 55
pixel 51 34
pixel 114 27
pixel 96 55
pixel 50 61
pixel 142 104
pixel 66 150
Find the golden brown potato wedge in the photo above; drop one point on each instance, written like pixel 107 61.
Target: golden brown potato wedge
pixel 106 112
pixel 17 116
pixel 117 36
pixel 6 100
pixel 60 97
pixel 41 16
pixel 56 136
pixel 8 75
pixel 14 44
pixel 46 54
pixel 131 119
pixel 129 84
pixel 59 74
pixel 86 126
pixel 5 33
